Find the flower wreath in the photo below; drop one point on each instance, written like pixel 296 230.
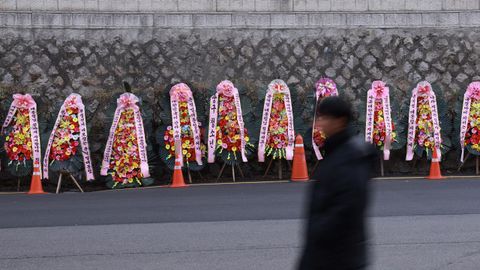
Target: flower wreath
pixel 69 131
pixel 227 130
pixel 277 134
pixel 22 140
pixel 379 129
pixel 185 126
pixel 423 124
pixel 470 121
pixel 125 156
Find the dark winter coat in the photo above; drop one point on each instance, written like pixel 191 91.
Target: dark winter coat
pixel 336 234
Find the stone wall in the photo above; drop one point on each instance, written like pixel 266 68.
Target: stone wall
pixel 238 5
pixel 51 54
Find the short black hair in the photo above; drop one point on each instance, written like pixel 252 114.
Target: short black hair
pixel 336 107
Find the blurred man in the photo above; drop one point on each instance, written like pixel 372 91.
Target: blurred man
pixel 336 236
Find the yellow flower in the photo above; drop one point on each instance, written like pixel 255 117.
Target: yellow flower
pixel 247 139
pixel 167 146
pixel 234 149
pixel 184 152
pixel 219 142
pixel 189 155
pixel 14 149
pixel 236 137
pixel 130 180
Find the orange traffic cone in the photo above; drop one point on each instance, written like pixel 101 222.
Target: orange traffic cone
pixel 36 184
pixel 435 173
pixel 299 169
pixel 177 179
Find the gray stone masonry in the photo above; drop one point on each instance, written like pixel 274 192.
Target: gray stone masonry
pixel 238 5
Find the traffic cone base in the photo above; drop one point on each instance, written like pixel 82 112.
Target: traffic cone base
pixel 435 173
pixel 36 184
pixel 177 179
pixel 299 168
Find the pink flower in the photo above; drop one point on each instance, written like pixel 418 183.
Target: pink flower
pixel 226 88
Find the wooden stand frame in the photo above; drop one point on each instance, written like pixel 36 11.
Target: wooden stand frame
pixel 233 171
pixel 280 169
pixel 67 175
pixel 477 165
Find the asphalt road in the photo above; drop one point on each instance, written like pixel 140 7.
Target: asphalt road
pixel 415 224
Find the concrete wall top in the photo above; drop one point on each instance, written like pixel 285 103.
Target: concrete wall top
pixel 238 5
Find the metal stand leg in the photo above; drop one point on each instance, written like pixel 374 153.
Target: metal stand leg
pixel 280 172
pixel 59 183
pixel 221 171
pixel 476 166
pixel 463 163
pixel 382 172
pixel 240 170
pixel 189 176
pixel 75 181
pixel 18 184
pixel 233 172
pixel 315 167
pixel 268 168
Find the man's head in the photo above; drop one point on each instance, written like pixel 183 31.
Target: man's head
pixel 333 115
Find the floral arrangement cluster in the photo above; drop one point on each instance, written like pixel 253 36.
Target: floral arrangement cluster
pixel 125 159
pixel 277 128
pixel 379 134
pixel 424 133
pixel 472 136
pixel 18 143
pixel 67 135
pixel 188 144
pixel 228 129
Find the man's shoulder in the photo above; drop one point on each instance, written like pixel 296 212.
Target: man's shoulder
pixel 357 148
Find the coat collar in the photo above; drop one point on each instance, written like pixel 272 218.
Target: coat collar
pixel 336 140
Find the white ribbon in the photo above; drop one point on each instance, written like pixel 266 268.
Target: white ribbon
pixel 281 87
pixel 412 119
